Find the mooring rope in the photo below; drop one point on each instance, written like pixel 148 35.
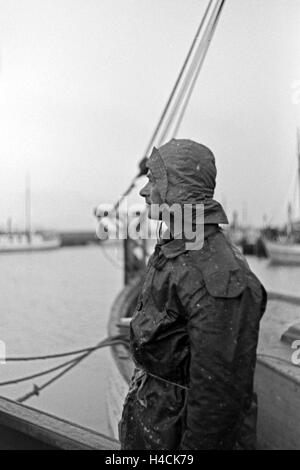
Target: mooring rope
pixel 84 353
pixel 63 354
pixel 67 365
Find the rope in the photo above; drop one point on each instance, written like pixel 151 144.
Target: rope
pixel 47 356
pixel 193 83
pixel 110 341
pixel 143 169
pixel 111 260
pixel 187 79
pixel 102 344
pixel 175 87
pixel 276 214
pixel 195 68
pixel 50 356
pixel 130 187
pixel 37 389
pixel 68 365
pixel 33 376
pixel 184 387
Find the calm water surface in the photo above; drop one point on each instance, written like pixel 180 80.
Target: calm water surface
pixel 277 278
pixel 57 301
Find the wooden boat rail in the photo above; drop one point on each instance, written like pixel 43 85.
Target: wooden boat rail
pixel 23 427
pixel 292 299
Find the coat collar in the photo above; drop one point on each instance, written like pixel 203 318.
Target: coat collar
pixel 175 247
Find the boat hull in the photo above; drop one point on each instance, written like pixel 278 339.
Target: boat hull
pixel 29 247
pixel 282 253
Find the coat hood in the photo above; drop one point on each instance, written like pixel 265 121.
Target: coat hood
pixel 185 173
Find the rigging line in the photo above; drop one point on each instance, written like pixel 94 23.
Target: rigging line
pixel 276 215
pixel 199 52
pixel 71 364
pixel 48 356
pixel 196 65
pixel 33 376
pixel 192 85
pixel 127 191
pixel 167 106
pixel 295 191
pixel 109 258
pixel 102 344
pixel 199 57
pixel 51 356
pixel 295 172
pixel 175 87
pixel 37 389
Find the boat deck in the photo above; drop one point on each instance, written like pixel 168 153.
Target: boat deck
pixel 279 317
pixel 277 381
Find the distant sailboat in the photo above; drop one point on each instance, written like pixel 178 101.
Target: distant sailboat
pixel 27 240
pixel 286 250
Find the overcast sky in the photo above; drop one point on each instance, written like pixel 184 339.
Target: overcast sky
pixel 82 84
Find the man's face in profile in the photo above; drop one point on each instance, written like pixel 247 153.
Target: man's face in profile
pixel 152 197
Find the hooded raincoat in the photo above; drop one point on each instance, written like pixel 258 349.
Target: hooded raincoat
pixel 195 329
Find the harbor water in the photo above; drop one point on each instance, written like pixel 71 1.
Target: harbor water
pixel 60 300
pixel 53 302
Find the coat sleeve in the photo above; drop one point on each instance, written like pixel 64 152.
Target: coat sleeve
pixel 223 339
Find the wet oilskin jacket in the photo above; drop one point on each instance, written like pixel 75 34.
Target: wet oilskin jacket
pixel 194 336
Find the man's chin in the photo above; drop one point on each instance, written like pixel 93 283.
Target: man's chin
pixel 152 213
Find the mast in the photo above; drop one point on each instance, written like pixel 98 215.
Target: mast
pixel 289 226
pixel 28 207
pixel 298 151
pixel 9 226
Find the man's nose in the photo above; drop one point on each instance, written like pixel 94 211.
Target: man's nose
pixel 144 192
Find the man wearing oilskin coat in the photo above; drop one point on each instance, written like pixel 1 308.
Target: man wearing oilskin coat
pixel 195 329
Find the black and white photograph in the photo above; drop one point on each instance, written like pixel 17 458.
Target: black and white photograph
pixel 150 227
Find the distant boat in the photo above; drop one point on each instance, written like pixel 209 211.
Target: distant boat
pixel 27 240
pixel 286 250
pixel 283 253
pixel 20 242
